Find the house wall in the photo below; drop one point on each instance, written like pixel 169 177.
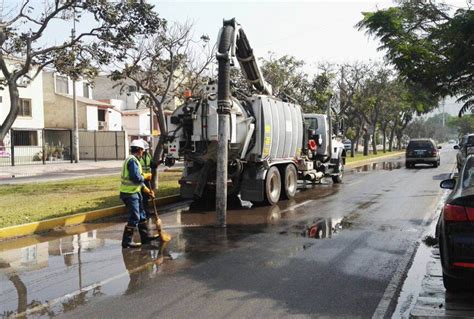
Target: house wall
pixel 33 91
pixel 114 120
pixel 92 118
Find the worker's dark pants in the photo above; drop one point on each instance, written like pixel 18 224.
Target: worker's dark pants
pixel 146 204
pixel 134 204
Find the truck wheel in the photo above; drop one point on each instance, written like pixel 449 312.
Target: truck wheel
pixel 272 186
pixel 337 179
pixel 289 182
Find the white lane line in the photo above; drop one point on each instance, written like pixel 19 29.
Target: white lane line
pixel 296 206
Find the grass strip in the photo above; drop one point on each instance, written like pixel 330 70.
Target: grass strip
pixel 25 203
pixel 361 157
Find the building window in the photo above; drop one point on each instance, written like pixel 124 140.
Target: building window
pixel 85 90
pixel 25 107
pixel 101 115
pixel 62 84
pixel 132 88
pixel 25 138
pixel 1 99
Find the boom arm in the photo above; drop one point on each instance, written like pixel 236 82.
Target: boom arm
pixel 240 48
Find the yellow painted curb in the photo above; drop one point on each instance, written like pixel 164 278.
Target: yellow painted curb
pixel 373 159
pixel 41 226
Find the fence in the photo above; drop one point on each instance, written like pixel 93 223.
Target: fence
pixel 55 146
pixel 100 145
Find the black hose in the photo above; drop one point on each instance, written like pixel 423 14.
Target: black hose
pixel 223 75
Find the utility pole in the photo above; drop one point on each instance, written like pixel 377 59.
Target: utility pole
pixel 151 127
pixel 75 133
pixel 224 106
pixel 443 104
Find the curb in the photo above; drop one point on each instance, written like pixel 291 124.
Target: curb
pixel 45 225
pixel 373 160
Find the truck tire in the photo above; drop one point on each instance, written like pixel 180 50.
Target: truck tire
pixel 272 186
pixel 289 182
pixel 337 179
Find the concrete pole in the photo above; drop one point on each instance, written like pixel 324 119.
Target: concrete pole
pixel 221 173
pixel 75 131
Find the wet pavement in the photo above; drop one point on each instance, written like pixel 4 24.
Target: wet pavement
pixel 334 251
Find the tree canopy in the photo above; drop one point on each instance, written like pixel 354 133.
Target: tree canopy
pixel 112 26
pixel 430 43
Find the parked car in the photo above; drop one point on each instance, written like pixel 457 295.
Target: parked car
pixel 465 147
pixel 347 145
pixel 455 230
pixel 422 151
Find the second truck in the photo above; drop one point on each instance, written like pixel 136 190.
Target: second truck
pixel 272 143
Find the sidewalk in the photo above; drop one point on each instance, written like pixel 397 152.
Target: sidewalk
pixel 50 172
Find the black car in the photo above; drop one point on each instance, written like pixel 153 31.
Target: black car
pixel 422 151
pixel 465 147
pixel 455 230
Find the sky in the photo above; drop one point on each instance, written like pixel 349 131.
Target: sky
pixel 313 31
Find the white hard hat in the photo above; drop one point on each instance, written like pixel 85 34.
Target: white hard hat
pixel 138 143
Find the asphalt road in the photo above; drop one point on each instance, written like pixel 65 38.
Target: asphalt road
pixel 260 266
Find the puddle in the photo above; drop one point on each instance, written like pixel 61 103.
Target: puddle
pixel 53 273
pixel 319 228
pixel 386 166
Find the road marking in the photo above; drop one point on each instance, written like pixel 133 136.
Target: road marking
pixel 296 206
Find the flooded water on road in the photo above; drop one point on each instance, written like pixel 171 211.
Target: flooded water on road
pixel 54 273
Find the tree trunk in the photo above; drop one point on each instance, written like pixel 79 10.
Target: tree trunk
pixel 158 153
pixel 366 143
pixel 374 142
pixel 392 135
pixel 14 110
pixel 384 140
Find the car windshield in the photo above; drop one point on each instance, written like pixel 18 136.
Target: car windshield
pixel 420 145
pixel 470 140
pixel 468 175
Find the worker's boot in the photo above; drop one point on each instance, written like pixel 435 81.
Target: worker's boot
pixel 127 238
pixel 144 232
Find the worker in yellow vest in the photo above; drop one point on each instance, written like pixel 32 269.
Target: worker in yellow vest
pixel 132 184
pixel 145 161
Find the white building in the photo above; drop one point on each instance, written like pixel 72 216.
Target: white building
pixel 27 126
pixel 135 115
pixel 93 115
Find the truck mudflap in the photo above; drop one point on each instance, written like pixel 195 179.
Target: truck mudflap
pixel 253 184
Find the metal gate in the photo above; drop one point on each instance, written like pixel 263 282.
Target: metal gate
pixel 100 145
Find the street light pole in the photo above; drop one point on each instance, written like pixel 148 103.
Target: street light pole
pixel 75 133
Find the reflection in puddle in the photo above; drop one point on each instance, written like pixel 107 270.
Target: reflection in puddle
pixel 54 273
pixel 387 166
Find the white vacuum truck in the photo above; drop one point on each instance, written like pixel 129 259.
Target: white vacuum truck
pixel 272 143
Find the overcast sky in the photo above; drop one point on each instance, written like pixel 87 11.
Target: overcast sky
pixel 314 31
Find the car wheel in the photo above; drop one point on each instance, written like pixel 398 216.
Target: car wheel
pixel 435 164
pixel 453 284
pixel 272 186
pixel 289 182
pixel 408 165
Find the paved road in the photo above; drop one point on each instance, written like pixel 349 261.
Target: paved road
pixel 260 266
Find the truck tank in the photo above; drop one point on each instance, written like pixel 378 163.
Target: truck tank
pixel 262 128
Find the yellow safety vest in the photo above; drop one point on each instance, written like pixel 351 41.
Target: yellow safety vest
pixel 145 161
pixel 127 185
